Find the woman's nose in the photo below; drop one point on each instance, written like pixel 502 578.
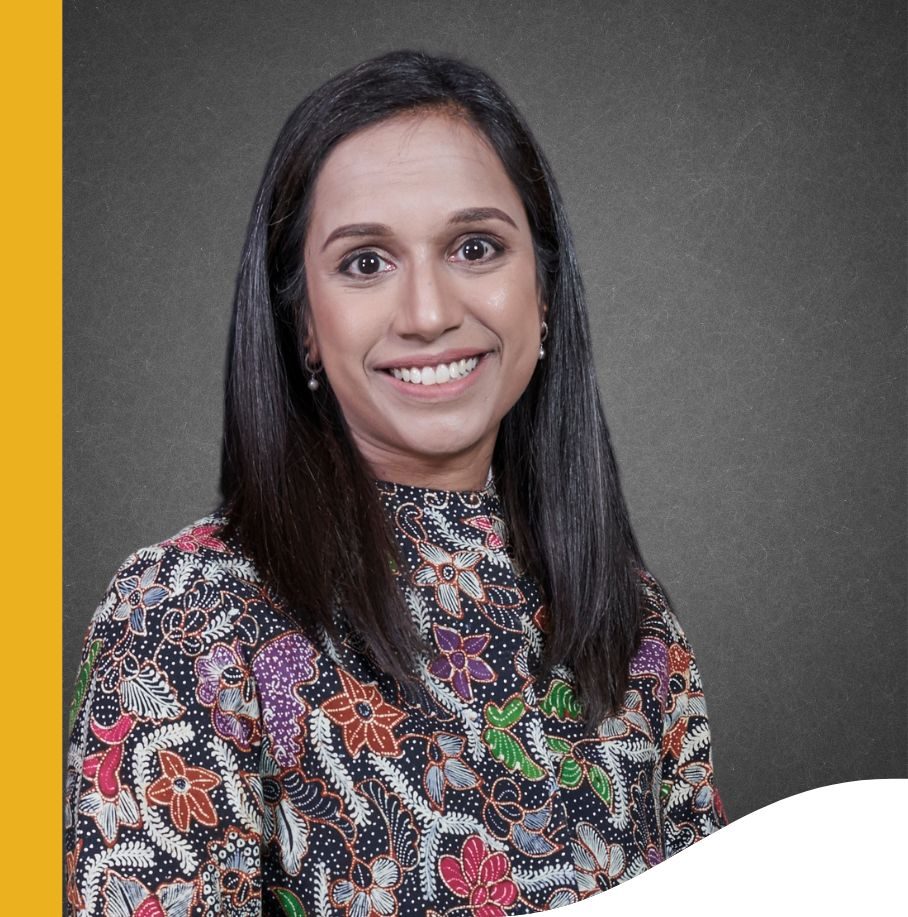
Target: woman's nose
pixel 429 303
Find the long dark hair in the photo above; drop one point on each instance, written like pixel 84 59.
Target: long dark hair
pixel 298 493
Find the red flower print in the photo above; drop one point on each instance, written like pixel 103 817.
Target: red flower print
pixel 459 662
pixel 185 790
pixel 364 716
pixel 494 529
pixel 110 803
pixel 481 876
pixel 199 536
pixel 450 574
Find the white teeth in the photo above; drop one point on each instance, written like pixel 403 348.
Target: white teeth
pixel 436 375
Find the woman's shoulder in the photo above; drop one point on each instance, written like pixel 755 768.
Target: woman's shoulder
pixel 658 618
pixel 190 589
pixel 664 651
pixel 178 618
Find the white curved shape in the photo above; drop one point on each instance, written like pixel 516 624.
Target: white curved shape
pixel 835 850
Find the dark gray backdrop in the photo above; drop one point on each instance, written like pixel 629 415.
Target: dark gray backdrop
pixel 735 177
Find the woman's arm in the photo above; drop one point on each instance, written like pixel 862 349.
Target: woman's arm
pixel 689 801
pixel 163 785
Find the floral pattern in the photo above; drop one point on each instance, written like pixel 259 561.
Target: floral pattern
pixel 482 876
pixel 225 685
pixel 460 662
pixel 108 802
pixel 184 790
pixel 446 768
pixel 370 890
pixel 224 763
pixel 364 716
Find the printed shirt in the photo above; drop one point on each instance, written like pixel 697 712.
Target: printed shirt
pixel 223 763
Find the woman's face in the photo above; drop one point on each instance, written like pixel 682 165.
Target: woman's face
pixel 424 304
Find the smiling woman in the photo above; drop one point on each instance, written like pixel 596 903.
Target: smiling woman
pixel 414 664
pixel 414 285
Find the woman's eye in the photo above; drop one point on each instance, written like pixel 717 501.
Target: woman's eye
pixel 477 249
pixel 365 264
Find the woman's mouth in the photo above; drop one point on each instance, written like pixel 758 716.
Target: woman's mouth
pixel 437 374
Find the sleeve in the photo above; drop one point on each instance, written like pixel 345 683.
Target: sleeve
pixel 689 801
pixel 163 795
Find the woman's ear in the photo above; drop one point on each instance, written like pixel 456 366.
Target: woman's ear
pixel 310 345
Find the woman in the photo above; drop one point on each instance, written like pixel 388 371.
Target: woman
pixel 415 664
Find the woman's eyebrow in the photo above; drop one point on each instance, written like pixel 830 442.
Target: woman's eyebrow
pixel 478 214
pixel 468 215
pixel 355 230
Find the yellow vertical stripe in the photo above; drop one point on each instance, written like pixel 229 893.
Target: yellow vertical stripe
pixel 30 452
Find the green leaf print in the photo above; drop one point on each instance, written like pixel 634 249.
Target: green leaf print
pixel 507 749
pixel 560 702
pixel 82 680
pixel 559 746
pixel 570 774
pixel 290 904
pixel 600 783
pixel 505 717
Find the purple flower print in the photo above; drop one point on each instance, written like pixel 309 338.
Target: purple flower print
pixel 652 659
pixel 137 595
pixel 226 685
pixel 288 660
pixel 459 662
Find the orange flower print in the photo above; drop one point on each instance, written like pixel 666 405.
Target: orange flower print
pixel 364 716
pixel 185 790
pixel 674 737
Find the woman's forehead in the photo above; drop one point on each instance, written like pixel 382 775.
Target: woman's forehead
pixel 412 162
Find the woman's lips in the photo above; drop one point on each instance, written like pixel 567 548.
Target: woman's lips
pixel 452 355
pixel 465 373
pixel 437 373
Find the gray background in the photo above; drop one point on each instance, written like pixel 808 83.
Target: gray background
pixel 735 177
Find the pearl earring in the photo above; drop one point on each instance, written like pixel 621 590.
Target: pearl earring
pixel 313 382
pixel 545 334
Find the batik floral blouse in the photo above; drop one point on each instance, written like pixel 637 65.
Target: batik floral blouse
pixel 222 763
